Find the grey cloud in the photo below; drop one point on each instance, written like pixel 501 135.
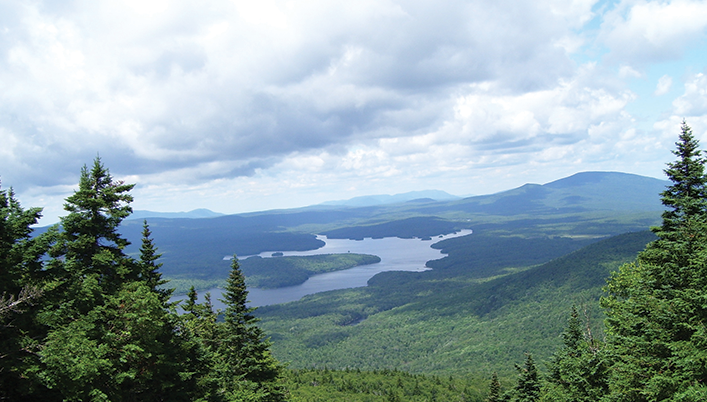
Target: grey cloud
pixel 509 143
pixel 188 58
pixel 252 115
pixel 463 42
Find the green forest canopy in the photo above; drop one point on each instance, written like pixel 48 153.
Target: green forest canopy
pixel 81 320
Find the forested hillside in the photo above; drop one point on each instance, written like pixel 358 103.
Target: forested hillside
pixel 654 349
pixel 465 317
pixel 86 316
pixel 448 321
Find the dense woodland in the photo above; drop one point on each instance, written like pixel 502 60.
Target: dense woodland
pixel 81 319
pixel 655 347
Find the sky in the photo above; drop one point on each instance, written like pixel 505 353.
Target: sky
pixel 241 106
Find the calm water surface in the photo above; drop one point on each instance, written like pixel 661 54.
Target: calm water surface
pixel 396 255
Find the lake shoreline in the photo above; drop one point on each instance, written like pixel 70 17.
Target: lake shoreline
pixel 396 254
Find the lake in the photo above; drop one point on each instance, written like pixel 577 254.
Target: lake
pixel 396 255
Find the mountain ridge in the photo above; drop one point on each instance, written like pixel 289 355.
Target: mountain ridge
pixel 198 213
pixel 382 199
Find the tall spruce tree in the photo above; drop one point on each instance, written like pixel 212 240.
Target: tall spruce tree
pixel 657 306
pixel 22 282
pixel 89 259
pixel 247 370
pixel 111 334
pixel 149 267
pixel 579 371
pixel 494 389
pixel 528 387
pixel 198 327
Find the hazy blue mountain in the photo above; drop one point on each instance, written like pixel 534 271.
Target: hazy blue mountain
pixel 194 214
pixel 586 191
pixel 370 200
pixel 589 203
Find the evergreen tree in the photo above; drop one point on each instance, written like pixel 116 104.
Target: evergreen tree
pixel 89 260
pixel 579 370
pixel 149 267
pixel 657 306
pixel 247 370
pixel 686 197
pixel 197 326
pixel 20 254
pixel 528 387
pixel 494 389
pixel 121 351
pixel 198 323
pixel 111 334
pixel 22 282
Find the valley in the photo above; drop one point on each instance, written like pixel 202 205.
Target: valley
pixel 390 299
pixel 505 290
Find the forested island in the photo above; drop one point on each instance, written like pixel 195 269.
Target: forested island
pixel 278 272
pixel 275 272
pixel 81 319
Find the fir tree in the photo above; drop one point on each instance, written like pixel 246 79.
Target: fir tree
pixel 657 307
pixel 198 328
pixel 149 267
pixel 111 334
pixel 579 370
pixel 247 368
pixel 528 387
pixel 89 259
pixel 22 283
pixel 494 389
pixel 686 198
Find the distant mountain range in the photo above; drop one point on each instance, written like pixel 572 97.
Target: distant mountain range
pixel 382 199
pixel 594 204
pixel 600 191
pixel 583 191
pixel 363 201
pixel 194 214
pixel 501 292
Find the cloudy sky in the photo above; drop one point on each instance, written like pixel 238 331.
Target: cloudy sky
pixel 241 106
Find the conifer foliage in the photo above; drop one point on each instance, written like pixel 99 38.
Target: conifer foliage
pixel 20 290
pixel 657 306
pixel 579 370
pixel 83 321
pixel 247 365
pixel 528 387
pixel 494 390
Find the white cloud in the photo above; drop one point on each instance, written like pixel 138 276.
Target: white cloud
pixel 693 102
pixel 323 96
pixel 629 72
pixel 175 83
pixel 690 106
pixel 665 83
pixel 638 31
